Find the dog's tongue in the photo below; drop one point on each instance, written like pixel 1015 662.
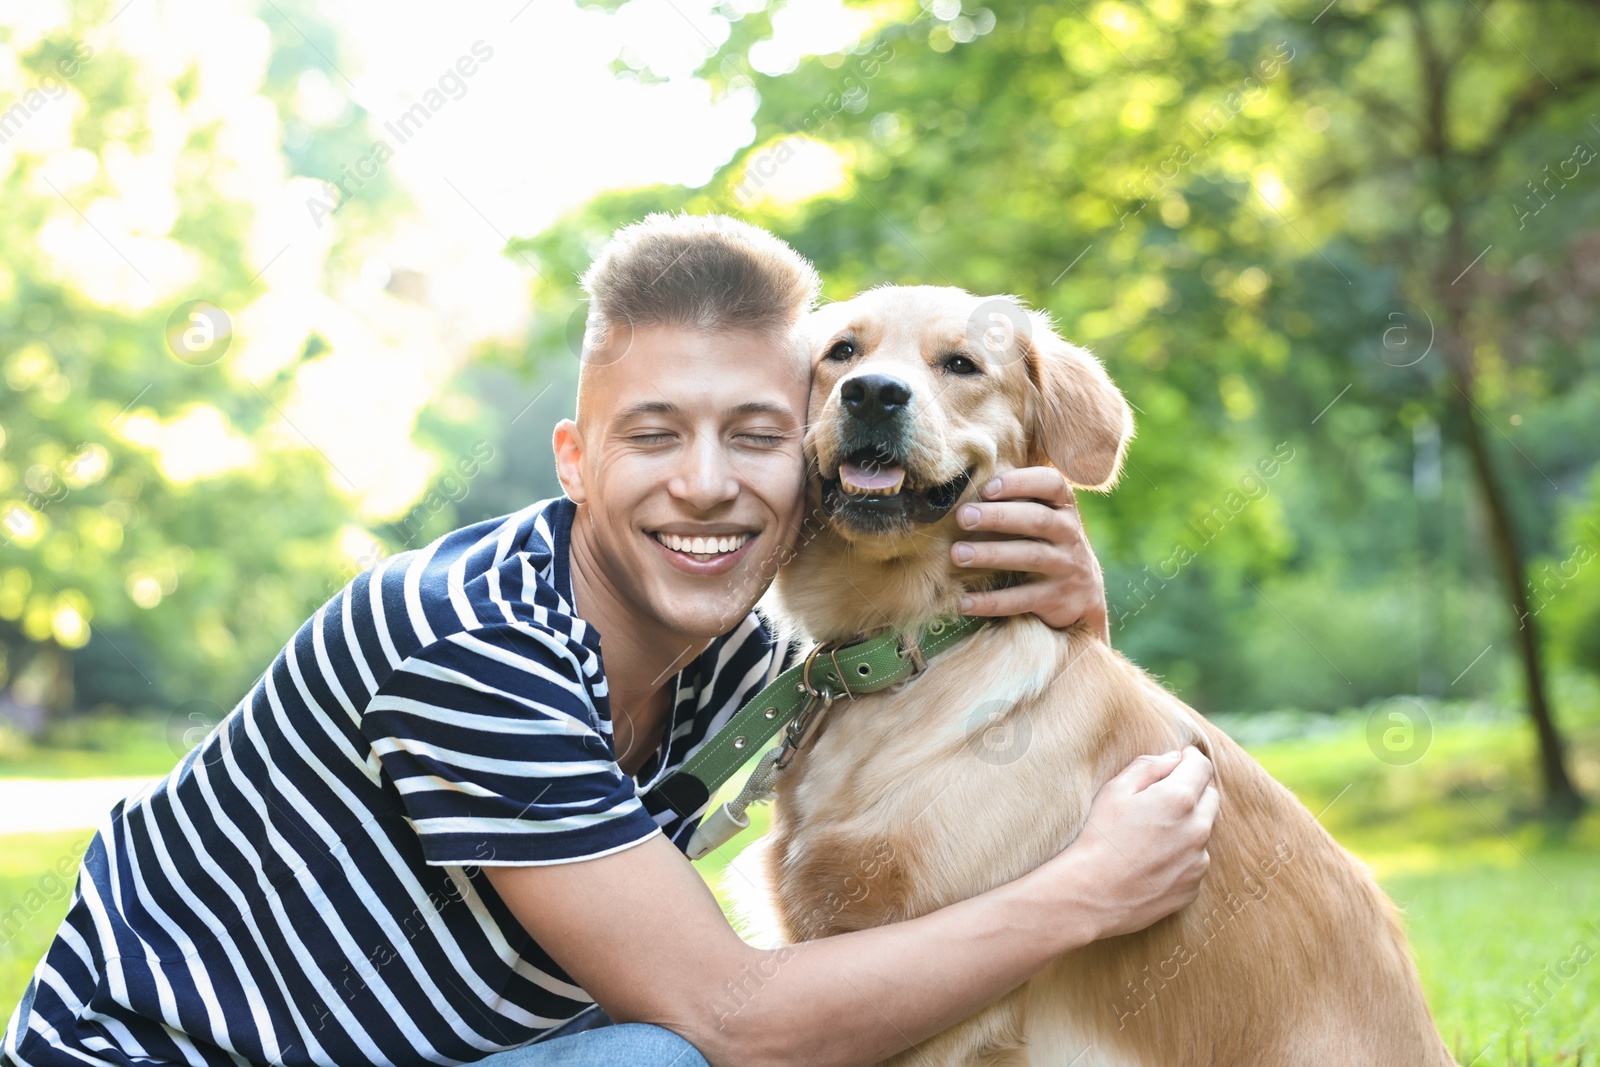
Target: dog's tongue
pixel 875 479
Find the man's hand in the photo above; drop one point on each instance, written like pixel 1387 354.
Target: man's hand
pixel 1142 852
pixel 1035 508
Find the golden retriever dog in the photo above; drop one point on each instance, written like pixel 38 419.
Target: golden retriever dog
pixel 984 765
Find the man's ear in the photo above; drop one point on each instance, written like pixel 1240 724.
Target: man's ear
pixel 1081 423
pixel 568 445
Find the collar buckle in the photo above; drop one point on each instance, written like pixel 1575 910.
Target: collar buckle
pixel 826 692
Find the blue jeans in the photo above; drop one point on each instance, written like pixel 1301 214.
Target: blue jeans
pixel 593 1040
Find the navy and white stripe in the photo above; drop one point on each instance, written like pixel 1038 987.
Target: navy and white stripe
pixel 304 888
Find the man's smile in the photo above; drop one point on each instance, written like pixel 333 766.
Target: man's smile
pixel 704 552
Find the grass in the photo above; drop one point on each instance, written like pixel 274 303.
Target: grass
pixel 1502 907
pixel 1508 964
pixel 99 746
pixel 33 899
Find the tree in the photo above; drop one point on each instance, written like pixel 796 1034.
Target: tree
pixel 1452 140
pixel 116 322
pixel 1231 205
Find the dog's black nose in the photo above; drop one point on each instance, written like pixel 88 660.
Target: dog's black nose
pixel 874 397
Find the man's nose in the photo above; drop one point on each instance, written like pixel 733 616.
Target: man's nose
pixel 707 478
pixel 874 398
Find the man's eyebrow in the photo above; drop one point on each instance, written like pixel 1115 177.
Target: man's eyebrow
pixel 667 407
pixel 762 407
pixel 648 407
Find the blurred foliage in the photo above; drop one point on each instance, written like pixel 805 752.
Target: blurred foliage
pixel 121 584
pixel 1235 206
pixel 1566 583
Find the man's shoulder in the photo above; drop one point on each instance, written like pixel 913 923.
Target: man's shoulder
pixel 510 570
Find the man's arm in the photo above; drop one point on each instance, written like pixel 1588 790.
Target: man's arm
pixel 1036 509
pixel 643 935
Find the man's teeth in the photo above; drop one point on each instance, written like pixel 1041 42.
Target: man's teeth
pixel 704 546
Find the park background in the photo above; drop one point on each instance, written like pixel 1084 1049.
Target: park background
pixel 286 287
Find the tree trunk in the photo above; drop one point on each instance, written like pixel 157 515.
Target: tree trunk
pixel 1562 798
pixel 1453 290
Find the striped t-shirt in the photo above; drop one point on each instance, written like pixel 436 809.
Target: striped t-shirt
pixel 304 888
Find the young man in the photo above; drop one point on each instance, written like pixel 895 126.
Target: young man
pixel 430 833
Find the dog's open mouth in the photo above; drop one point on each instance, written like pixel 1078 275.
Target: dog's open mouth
pixel 871 474
pixel 871 490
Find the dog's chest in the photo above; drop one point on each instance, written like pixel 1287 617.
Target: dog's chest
pixel 840 861
pixel 911 799
pixel 865 746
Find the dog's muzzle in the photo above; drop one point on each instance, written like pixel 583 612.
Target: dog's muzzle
pixel 871 490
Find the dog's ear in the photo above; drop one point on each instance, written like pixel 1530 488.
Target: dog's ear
pixel 1081 423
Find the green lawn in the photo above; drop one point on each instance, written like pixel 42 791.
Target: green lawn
pixel 1502 907
pixel 32 901
pixel 101 746
pixel 1496 900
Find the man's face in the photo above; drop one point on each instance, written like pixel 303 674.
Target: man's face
pixel 690 470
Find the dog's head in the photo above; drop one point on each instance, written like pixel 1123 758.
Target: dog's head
pixel 921 393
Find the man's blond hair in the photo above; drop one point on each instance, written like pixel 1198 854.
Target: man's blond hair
pixel 701 272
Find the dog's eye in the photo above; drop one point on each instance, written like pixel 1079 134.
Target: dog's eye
pixel 960 365
pixel 841 351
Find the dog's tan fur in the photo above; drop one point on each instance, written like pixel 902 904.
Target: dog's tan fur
pixel 985 766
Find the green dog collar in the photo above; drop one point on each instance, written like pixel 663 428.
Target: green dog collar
pixel 826 674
